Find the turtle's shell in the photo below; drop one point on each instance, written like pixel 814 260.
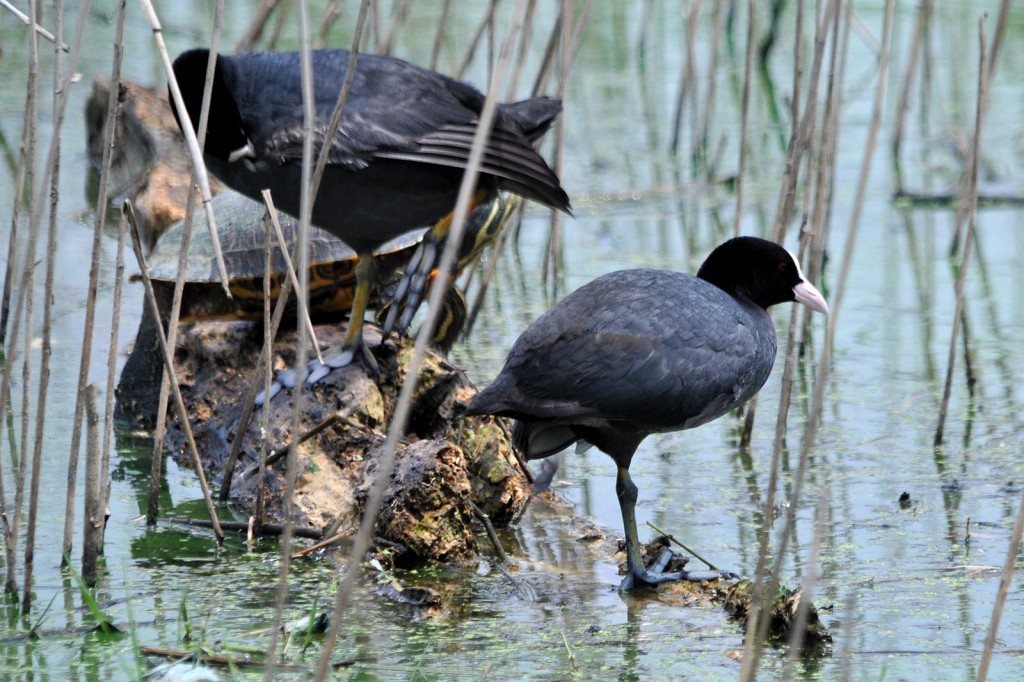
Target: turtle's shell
pixel 240 228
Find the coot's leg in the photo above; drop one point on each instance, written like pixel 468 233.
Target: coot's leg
pixel 352 347
pixel 626 491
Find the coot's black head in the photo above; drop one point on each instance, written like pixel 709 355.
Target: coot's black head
pixel 225 132
pixel 760 271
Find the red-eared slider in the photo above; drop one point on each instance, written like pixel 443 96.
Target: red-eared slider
pixel 332 268
pixel 332 280
pixel 396 162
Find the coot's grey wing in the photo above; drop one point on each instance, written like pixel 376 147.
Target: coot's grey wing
pixel 507 156
pixel 656 349
pixel 391 104
pixel 395 110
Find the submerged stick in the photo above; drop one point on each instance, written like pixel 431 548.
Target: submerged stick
pixel 482 517
pixel 242 527
pixel 324 544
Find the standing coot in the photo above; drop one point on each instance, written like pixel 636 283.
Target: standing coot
pixel 637 352
pixel 395 163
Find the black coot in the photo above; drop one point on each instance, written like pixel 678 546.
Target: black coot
pixel 395 163
pixel 637 352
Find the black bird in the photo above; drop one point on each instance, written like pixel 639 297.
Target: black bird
pixel 396 162
pixel 637 352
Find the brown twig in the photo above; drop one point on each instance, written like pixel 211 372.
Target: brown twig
pixel 168 358
pixel 748 67
pixel 93 518
pixel 323 544
pixel 821 377
pixel 306 198
pixel 24 18
pixel 967 213
pixel 487 21
pixel 242 527
pixel 156 465
pixel 282 451
pixel 398 15
pixel 489 529
pixel 752 643
pixel 686 77
pixel 216 659
pixel 26 175
pixel 673 539
pixel 800 142
pixel 1018 527
pixel 259 23
pixel 442 24
pixel 924 11
pixel 194 148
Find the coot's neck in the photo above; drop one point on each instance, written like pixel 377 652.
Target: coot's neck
pixel 728 284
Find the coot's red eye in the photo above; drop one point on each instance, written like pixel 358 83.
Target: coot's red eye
pixel 783 266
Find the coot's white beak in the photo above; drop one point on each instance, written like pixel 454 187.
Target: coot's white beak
pixel 808 295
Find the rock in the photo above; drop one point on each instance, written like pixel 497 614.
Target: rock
pixel 427 506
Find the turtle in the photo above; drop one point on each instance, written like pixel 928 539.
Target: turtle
pixel 332 263
pixel 332 279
